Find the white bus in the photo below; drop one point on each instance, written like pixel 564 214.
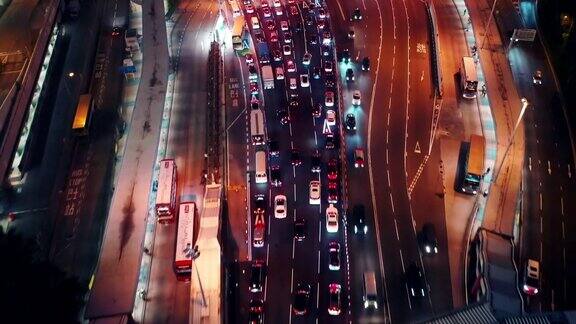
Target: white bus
pixel 257 126
pixel 166 192
pixel 184 236
pixel 469 78
pixel 260 173
pixel 235 8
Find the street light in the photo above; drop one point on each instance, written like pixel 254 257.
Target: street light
pixel 511 140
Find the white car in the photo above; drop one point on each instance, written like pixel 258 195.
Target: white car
pixel 314 192
pixel 277 3
pixel 284 25
pixel 278 11
pixel 307 58
pixel 356 98
pixel 331 117
pixel 279 73
pixel 331 219
pixel 280 206
pixel 287 49
pixel 329 99
pixel 304 80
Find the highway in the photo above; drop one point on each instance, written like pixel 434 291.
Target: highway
pixel 549 180
pixel 290 262
pixel 190 41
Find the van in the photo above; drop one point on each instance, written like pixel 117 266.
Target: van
pixel 255 22
pixel 370 296
pixel 260 173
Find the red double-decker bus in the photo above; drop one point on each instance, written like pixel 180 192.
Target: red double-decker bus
pixel 166 193
pixel 184 234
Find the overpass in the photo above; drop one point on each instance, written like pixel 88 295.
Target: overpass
pixel 17 107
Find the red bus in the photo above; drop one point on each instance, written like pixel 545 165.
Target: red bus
pixel 166 193
pixel 184 234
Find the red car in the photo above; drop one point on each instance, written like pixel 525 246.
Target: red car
pixel 254 87
pixel 333 169
pixel 334 307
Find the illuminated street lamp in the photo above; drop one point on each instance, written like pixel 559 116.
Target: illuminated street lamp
pixel 511 140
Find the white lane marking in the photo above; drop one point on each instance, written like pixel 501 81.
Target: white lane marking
pixel 364 6
pixel 318 261
pixel 540 201
pixel 290 126
pixel 290 315
pixel 563 231
pixel 341 10
pixel 294 187
pixel 292 281
pixel 265 288
pixel 391 202
pixel 549 168
pixel 402 261
pixel 267 253
pixel 388 176
pixel 293 247
pixel 315 139
pixel 319 231
pixel 396 227
pixel 562 205
pixel 317 294
pixel 569 171
pixel 530 163
pixel 294 174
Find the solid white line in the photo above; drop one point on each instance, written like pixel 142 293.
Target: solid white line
pixel 317 294
pixel 292 281
pixel 265 287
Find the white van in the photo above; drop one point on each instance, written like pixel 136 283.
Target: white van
pixel 260 173
pixel 255 22
pixel 370 291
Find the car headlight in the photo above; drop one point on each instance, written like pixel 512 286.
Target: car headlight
pixel 427 248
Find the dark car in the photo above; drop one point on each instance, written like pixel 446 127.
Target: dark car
pixel 295 157
pixel 316 73
pixel 359 218
pixel 252 69
pixel 350 122
pixel 316 162
pixel 300 229
pixel 326 50
pixel 293 103
pixel 356 15
pixel 255 311
pixel 257 276
pixel 116 30
pixel 330 141
pixel 317 110
pixel 259 37
pixel 429 241
pixel 259 202
pixel 312 39
pixel 301 299
pixel 277 55
pixel 273 148
pixel 283 116
pixel 334 298
pixel 334 256
pixel 415 281
pixel 366 64
pixel 329 83
pixel 343 56
pixel 254 104
pixel 350 75
pixel 275 176
pixel 332 192
pixel 333 169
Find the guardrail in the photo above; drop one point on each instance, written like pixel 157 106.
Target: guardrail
pixel 436 66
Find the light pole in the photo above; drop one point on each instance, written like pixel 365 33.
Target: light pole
pixel 511 140
pixel 486 30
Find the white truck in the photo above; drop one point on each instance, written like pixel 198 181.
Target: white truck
pixel 267 77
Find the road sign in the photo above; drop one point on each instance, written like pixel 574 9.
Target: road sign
pixel 524 34
pixel 326 128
